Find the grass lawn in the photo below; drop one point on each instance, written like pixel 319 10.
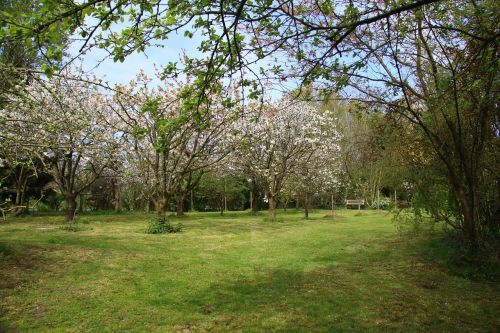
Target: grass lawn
pixel 233 273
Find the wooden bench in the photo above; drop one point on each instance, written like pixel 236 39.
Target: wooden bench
pixel 359 202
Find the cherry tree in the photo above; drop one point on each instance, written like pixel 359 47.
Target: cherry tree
pixel 168 138
pixel 318 170
pixel 287 137
pixel 20 166
pixel 62 123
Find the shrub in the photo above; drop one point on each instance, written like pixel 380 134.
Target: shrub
pixel 384 203
pixel 160 225
pixel 43 207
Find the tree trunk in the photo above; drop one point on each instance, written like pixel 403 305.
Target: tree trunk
pixel 469 223
pixel 158 208
pixel 180 205
pixel 272 206
pixel 21 181
pixel 19 209
pixel 378 198
pixel 192 201
pixel 306 205
pixel 251 201
pixel 164 200
pixel 115 188
pixel 285 204
pixel 255 205
pixel 80 206
pixel 161 205
pixel 333 206
pixel 70 211
pixel 225 195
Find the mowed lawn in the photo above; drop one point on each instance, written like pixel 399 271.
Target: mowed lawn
pixel 237 273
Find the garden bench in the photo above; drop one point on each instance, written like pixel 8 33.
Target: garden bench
pixel 354 202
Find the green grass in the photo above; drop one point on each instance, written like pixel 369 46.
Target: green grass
pixel 239 272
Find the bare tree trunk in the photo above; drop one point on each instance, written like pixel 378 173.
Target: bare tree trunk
pixel 251 201
pixel 306 205
pixel 272 206
pixel 180 204
pixel 192 201
pixel 378 198
pixel 80 206
pixel 158 206
pixel 21 181
pixel 161 205
pixel 225 195
pixel 70 211
pixel 255 198
pixel 333 206
pixel 115 188
pixel 221 206
pixel 164 201
pixel 469 221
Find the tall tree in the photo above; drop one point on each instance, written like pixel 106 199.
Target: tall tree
pixel 440 74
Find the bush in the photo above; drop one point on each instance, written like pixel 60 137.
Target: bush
pixel 43 207
pixel 384 203
pixel 160 225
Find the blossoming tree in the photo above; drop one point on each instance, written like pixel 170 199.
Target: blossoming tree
pixel 286 139
pixel 170 137
pixel 63 121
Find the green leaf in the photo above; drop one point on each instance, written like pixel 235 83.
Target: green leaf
pixel 48 70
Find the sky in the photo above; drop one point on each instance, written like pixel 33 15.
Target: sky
pixel 123 72
pixel 96 61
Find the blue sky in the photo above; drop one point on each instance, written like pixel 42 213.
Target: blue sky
pixel 96 62
pixel 123 72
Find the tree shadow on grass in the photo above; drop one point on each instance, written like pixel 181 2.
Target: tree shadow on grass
pixel 237 227
pixel 18 267
pixel 284 300
pixel 357 295
pixel 21 266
